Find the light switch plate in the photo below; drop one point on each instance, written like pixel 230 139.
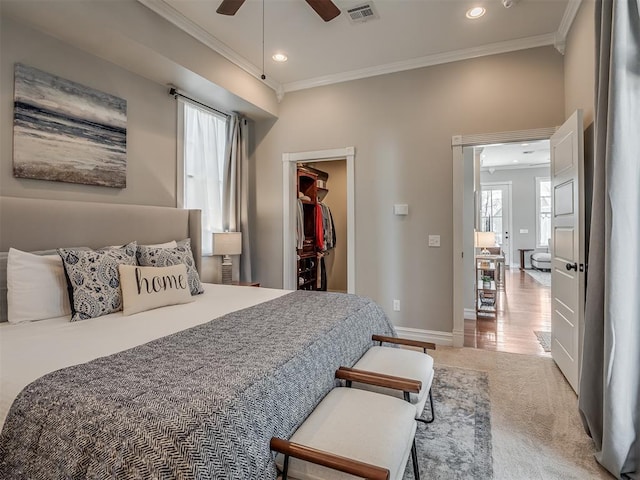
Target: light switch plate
pixel 401 209
pixel 434 240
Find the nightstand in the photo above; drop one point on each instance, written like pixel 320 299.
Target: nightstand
pixel 246 284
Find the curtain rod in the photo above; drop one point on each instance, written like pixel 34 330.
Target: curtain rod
pixel 175 94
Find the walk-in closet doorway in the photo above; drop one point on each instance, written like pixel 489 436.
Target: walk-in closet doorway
pixel 323 160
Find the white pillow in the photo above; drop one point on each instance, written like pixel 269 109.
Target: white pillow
pixel 171 244
pixel 36 287
pixel 145 288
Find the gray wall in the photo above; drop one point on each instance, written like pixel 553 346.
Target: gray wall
pixel 523 206
pixel 579 63
pixel 151 121
pixel 401 126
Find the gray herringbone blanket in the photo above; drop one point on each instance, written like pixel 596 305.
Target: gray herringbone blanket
pixel 200 404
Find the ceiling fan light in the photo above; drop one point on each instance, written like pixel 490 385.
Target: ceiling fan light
pixel 476 12
pixel 279 57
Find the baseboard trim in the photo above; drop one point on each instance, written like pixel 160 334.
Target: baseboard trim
pixel 469 314
pixel 439 338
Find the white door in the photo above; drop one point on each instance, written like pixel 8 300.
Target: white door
pixel 495 214
pixel 567 251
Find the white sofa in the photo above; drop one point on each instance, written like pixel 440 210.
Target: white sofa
pixel 541 261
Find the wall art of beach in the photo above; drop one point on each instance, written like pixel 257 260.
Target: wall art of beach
pixel 67 132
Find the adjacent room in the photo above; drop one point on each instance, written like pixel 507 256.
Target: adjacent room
pixel 232 232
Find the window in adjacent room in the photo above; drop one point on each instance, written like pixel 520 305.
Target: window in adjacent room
pixel 200 179
pixel 543 211
pixel 491 212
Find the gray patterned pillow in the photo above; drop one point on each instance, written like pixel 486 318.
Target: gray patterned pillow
pixel 94 279
pixel 165 257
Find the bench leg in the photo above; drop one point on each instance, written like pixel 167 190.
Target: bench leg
pixel 414 459
pixel 285 467
pixel 433 413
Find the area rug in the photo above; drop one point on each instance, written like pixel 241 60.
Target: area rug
pixel 458 443
pixel 545 339
pixel 536 431
pixel 543 278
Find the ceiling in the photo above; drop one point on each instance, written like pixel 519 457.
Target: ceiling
pixel 515 155
pixel 408 34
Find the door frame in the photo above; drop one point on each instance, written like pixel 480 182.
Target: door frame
pixel 508 184
pixel 458 142
pixel 289 162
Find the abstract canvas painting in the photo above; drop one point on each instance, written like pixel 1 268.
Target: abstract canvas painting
pixel 67 132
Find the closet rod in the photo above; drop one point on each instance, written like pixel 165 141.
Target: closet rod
pixel 175 94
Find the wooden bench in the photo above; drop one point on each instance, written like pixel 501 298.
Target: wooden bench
pixel 401 362
pixel 353 432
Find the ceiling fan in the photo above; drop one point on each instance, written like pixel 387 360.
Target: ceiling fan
pixel 325 8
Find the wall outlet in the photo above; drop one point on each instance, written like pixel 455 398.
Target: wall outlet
pixel 396 305
pixel 434 240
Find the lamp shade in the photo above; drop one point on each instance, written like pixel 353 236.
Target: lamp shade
pixel 227 243
pixel 485 239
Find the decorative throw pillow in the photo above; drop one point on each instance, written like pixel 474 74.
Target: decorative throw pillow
pixel 36 287
pixel 165 257
pixel 145 288
pixel 95 280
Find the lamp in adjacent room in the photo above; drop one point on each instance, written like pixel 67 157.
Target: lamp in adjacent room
pixel 485 240
pixel 227 244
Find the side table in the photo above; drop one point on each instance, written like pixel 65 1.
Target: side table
pixel 522 252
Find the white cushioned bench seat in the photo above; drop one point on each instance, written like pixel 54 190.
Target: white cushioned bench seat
pixel 541 260
pixel 357 424
pixel 399 362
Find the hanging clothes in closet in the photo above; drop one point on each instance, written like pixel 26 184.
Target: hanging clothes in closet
pixel 327 232
pixel 299 224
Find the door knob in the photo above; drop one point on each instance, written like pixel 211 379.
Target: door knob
pixel 572 266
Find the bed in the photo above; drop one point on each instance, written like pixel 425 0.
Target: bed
pixel 191 391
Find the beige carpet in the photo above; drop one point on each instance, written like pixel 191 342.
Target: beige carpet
pixel 537 433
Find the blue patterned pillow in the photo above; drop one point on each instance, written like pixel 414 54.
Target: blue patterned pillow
pixel 94 279
pixel 165 257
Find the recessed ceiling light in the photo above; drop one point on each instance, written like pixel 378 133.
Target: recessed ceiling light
pixel 279 57
pixel 475 12
pixel 524 144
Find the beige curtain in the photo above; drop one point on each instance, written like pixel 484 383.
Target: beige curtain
pixel 609 393
pixel 235 191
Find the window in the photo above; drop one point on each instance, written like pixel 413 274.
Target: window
pixel 543 211
pixel 200 167
pixel 491 212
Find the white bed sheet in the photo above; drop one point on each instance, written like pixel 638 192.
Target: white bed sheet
pixel 33 349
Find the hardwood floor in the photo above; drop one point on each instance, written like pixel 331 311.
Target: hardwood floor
pixel 525 307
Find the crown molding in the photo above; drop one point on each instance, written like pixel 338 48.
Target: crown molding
pixel 569 16
pixel 427 61
pixel 565 24
pixel 170 14
pixel 557 39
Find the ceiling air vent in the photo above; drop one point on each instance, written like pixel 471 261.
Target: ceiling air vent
pixel 362 13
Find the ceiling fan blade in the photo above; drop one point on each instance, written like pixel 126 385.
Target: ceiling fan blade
pixel 325 8
pixel 229 7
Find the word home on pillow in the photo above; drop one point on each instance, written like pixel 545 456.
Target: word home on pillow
pixel 145 288
pixel 165 257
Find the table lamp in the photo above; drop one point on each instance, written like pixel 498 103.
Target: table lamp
pixel 485 240
pixel 227 244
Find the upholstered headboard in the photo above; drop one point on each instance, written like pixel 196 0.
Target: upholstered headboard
pixel 32 224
